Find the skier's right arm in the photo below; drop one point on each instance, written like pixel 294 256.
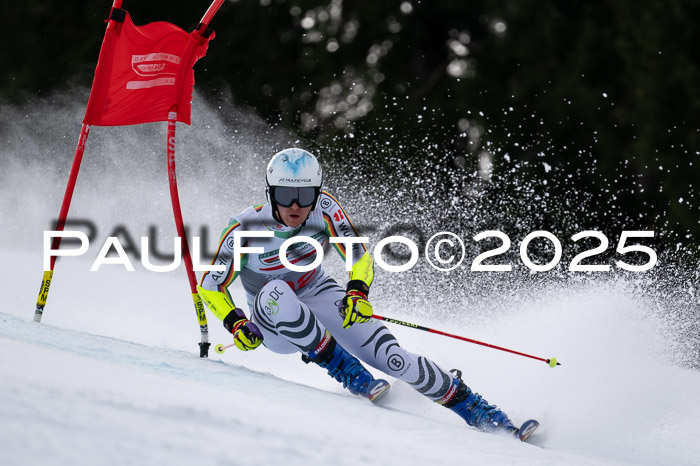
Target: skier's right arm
pixel 213 289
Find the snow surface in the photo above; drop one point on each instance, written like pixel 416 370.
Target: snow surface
pixel 111 378
pixel 112 374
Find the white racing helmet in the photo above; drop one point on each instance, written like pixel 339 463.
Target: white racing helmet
pixel 293 175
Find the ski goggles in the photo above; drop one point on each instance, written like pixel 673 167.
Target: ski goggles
pixel 286 196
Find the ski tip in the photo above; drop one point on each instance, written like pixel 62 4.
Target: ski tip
pixel 378 390
pixel 527 429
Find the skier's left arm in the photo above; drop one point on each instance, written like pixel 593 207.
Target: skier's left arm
pixel 355 306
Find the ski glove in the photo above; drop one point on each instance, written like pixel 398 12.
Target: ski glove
pixel 355 307
pixel 246 335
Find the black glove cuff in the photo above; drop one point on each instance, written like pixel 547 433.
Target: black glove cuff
pixel 357 285
pixel 233 317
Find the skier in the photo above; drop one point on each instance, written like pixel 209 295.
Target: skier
pixel 309 312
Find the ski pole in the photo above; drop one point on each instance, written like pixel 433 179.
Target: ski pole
pixel 221 348
pixel 551 362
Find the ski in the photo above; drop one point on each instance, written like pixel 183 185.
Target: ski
pixel 377 390
pixel 527 429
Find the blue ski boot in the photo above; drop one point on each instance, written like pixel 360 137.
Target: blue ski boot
pixel 476 411
pixel 345 368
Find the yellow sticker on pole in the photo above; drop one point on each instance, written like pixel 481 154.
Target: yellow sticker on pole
pixel 44 290
pixel 199 308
